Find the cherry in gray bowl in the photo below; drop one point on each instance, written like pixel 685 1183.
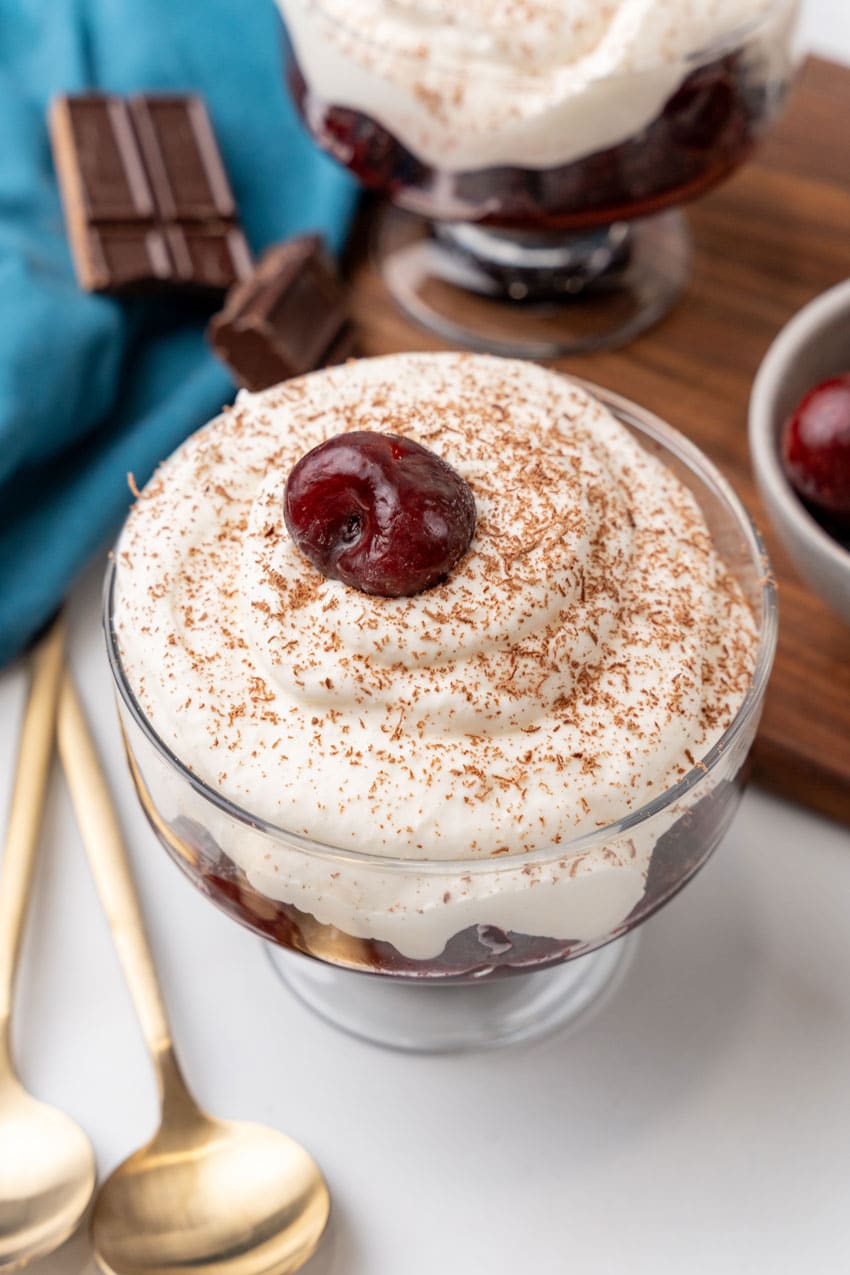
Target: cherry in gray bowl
pixel 812 347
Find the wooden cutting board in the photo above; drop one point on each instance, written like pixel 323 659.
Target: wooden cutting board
pixel 765 243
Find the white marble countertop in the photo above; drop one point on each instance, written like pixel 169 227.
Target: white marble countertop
pixel 699 1123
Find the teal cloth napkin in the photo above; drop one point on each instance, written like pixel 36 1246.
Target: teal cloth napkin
pixel 92 388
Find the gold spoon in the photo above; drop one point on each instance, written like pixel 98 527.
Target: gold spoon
pixel 47 1171
pixel 203 1195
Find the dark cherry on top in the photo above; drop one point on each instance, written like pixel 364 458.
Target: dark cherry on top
pixel 379 512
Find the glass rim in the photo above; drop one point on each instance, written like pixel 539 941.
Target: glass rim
pixel 647 424
pixel 721 45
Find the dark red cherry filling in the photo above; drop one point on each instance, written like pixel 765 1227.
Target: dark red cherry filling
pixel 816 448
pixel 379 512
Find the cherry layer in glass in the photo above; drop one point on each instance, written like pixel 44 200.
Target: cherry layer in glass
pixel 458 868
pixel 538 150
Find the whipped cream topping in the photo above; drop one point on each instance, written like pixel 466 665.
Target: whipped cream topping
pixel 582 657
pixel 470 84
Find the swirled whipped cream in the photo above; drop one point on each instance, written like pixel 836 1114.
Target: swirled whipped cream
pixel 585 653
pixel 470 84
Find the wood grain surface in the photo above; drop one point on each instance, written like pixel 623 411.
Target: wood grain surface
pixel 765 243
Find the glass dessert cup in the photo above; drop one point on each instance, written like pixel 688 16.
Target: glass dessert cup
pixel 574 256
pixel 435 955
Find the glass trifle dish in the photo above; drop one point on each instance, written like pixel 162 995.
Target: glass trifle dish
pixel 439 672
pixel 536 151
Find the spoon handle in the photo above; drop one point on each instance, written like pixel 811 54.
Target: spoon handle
pixel 107 854
pixel 34 754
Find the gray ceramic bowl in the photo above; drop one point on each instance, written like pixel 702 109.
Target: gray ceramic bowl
pixel 814 345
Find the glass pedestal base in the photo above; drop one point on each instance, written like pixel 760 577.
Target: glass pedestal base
pixel 428 1018
pixel 535 295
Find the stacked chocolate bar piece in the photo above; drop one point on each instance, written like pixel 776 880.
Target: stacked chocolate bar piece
pixel 149 208
pixel 146 197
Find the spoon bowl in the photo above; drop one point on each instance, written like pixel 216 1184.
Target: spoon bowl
pixel 211 1195
pixel 47 1176
pixel 204 1196
pixel 47 1170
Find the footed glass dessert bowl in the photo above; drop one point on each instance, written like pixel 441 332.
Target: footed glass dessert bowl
pixel 536 155
pixel 444 812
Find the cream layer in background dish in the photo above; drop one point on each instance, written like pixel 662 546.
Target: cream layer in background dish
pixel 472 84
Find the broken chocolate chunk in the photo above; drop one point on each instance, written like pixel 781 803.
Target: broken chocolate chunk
pixel 288 318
